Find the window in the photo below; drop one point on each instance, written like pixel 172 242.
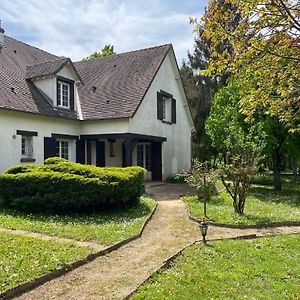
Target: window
pixel 63 94
pixel 144 156
pixel 62 149
pixel 111 148
pixel 166 107
pixel 26 146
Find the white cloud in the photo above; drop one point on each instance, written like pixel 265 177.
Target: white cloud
pixel 76 28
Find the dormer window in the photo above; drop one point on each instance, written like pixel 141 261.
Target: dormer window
pixel 65 93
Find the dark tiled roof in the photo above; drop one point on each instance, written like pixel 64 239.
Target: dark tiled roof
pixel 50 67
pixel 17 93
pixel 114 86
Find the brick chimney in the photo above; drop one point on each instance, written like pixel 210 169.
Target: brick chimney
pixel 1 37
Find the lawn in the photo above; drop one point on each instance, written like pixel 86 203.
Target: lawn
pixel 105 228
pixel 263 204
pixel 265 268
pixel 24 258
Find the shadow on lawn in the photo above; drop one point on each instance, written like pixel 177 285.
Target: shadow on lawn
pixel 289 195
pixel 117 214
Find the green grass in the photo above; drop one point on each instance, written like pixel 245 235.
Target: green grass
pixel 24 258
pixel 263 205
pixel 105 228
pixel 266 268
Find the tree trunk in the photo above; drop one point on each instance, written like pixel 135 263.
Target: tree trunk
pixel 295 167
pixel 276 159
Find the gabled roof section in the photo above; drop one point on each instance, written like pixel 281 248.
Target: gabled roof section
pixel 49 68
pixel 17 93
pixel 116 85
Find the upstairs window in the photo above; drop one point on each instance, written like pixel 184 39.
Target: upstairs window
pixel 166 107
pixel 63 94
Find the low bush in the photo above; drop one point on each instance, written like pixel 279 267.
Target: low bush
pixel 178 178
pixel 60 185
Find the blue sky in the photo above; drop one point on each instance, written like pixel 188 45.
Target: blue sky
pixel 74 28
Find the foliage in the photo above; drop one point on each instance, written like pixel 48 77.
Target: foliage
pixel 67 186
pixel 255 269
pixel 263 206
pixel 104 227
pixel 106 51
pixel 264 54
pixel 178 178
pixel 240 143
pixel 203 177
pixel 25 258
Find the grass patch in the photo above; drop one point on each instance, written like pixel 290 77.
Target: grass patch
pixel 263 205
pixel 105 228
pixel 25 258
pixel 264 268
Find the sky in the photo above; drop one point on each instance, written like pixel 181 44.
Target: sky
pixel 75 29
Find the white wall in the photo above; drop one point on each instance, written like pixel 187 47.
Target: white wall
pixel 177 150
pixel 104 126
pixel 10 143
pixel 48 85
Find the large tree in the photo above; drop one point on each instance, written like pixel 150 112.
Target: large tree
pixel 201 88
pixel 266 43
pixel 240 143
pixel 106 51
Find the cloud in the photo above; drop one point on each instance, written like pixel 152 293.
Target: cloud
pixel 76 28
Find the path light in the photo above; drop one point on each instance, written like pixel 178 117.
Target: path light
pixel 203 228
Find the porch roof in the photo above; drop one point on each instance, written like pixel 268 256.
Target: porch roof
pixel 127 136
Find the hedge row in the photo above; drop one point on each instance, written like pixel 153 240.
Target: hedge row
pixel 59 185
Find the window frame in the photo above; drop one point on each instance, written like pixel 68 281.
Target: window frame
pixel 60 94
pixel 59 148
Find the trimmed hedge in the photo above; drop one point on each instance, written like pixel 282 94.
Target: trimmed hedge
pixel 59 185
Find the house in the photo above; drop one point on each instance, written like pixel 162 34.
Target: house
pixel 121 110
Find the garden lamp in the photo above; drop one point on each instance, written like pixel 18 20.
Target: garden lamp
pixel 203 228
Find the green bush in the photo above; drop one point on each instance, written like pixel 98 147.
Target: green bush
pixel 60 185
pixel 263 180
pixel 21 169
pixel 178 178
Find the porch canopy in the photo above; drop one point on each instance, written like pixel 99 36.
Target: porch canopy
pixel 129 142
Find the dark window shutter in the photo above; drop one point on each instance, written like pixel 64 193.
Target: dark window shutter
pixel 72 96
pixel 49 147
pixel 173 116
pixel 80 151
pixel 57 100
pixel 159 106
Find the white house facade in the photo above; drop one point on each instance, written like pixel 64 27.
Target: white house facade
pixel 122 110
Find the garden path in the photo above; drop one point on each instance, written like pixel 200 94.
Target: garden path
pixel 117 274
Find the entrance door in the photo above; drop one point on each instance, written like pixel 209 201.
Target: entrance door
pixel 144 159
pixel 156 161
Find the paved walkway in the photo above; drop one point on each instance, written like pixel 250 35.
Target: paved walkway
pixel 117 274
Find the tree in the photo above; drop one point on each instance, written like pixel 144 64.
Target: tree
pixel 240 143
pixel 106 51
pixel 266 44
pixel 203 177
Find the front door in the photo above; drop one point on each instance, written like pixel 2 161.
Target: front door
pixel 143 151
pixel 156 161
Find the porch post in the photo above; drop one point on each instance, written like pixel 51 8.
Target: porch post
pixel 128 146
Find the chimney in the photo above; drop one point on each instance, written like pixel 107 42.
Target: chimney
pixel 1 37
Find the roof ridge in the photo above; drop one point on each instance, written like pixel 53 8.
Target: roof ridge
pixel 30 45
pixel 49 61
pixel 123 53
